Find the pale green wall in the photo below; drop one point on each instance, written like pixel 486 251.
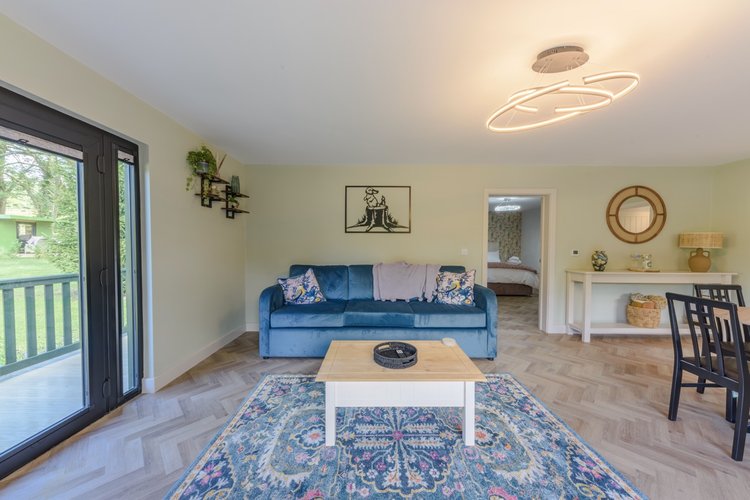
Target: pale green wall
pixel 298 217
pixel 8 239
pixel 730 215
pixel 194 257
pixel 8 233
pixel 44 229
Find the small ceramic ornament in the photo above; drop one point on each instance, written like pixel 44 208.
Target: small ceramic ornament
pixel 599 260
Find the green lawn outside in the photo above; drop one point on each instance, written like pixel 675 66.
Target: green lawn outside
pixel 25 267
pixel 11 268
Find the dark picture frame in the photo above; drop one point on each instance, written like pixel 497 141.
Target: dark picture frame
pixel 377 209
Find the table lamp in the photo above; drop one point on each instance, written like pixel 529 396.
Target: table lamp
pixel 700 259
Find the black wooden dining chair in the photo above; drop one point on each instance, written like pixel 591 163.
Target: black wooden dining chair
pixel 724 293
pixel 705 356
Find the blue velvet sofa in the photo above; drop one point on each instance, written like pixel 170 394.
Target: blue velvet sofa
pixel 350 313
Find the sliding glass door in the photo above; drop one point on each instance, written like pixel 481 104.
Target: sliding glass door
pixel 69 277
pixel 41 364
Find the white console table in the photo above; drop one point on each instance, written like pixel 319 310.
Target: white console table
pixel 590 278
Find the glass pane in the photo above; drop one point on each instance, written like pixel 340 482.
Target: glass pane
pixel 41 369
pixel 128 268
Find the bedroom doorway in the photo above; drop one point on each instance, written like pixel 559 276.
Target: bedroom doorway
pixel 517 252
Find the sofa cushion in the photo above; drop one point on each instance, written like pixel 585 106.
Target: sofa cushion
pixel 301 290
pixel 323 314
pixel 333 280
pixel 378 314
pixel 360 282
pixel 432 315
pixel 455 288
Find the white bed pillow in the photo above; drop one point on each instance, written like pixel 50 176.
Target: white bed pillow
pixel 493 256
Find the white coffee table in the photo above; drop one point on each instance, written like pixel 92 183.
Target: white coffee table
pixel 443 376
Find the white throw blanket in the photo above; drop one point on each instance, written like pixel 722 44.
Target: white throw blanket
pixel 402 281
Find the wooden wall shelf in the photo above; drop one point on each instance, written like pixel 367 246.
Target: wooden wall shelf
pixel 231 203
pixel 230 198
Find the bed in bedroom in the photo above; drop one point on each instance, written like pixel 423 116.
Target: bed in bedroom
pixel 511 279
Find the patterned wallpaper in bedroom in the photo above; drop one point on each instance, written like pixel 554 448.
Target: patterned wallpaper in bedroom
pixel 505 228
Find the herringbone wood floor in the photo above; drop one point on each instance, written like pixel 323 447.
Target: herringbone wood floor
pixel 613 392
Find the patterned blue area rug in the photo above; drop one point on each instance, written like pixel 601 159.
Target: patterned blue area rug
pixel 274 449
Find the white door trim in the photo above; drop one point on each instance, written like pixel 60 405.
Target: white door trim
pixel 547 242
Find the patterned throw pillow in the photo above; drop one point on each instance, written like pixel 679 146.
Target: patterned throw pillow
pixel 301 289
pixel 455 288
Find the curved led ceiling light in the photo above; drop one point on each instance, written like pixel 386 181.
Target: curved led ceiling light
pixel 505 206
pixel 613 75
pixel 556 60
pixel 606 95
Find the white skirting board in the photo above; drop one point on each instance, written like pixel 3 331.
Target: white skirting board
pixel 153 384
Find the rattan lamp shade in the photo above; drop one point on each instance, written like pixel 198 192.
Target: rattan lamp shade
pixel 700 259
pixel 701 240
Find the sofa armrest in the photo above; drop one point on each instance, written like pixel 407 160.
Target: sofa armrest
pixel 271 299
pixel 485 299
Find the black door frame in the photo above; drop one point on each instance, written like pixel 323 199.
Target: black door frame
pixel 98 271
pixel 116 145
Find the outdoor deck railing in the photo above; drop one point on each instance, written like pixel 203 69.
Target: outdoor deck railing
pixel 52 344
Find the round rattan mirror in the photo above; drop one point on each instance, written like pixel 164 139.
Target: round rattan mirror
pixel 636 214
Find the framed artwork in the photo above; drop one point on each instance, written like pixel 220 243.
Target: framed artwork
pixel 377 209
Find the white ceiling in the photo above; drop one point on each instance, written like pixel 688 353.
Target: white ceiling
pixel 413 81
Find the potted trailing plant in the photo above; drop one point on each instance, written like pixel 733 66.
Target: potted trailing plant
pixel 201 162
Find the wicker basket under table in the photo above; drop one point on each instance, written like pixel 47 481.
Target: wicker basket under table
pixel 644 318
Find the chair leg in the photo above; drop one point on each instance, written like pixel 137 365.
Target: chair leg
pixel 674 399
pixel 731 407
pixel 740 426
pixel 701 386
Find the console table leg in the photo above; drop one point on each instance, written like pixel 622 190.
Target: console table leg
pixel 569 305
pixel 469 413
pixel 330 414
pixel 586 333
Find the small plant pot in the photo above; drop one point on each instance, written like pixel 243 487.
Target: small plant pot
pixel 202 167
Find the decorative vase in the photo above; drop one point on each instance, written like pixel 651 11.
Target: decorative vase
pixel 599 260
pixel 699 261
pixel 234 184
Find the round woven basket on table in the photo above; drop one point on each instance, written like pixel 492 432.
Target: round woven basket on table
pixel 644 318
pixel 395 355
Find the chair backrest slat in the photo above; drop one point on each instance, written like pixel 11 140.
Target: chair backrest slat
pixel 718 291
pixel 723 293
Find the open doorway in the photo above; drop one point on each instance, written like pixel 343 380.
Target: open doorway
pixel 518 256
